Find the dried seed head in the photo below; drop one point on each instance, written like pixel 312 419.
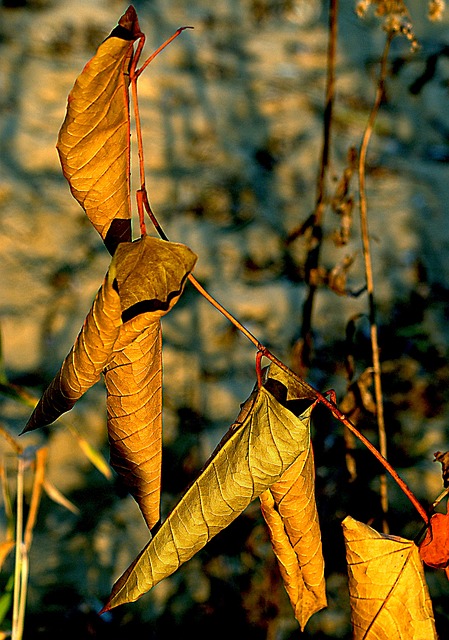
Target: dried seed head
pixel 436 9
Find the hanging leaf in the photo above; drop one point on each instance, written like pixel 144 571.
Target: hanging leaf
pixel 94 140
pixel 255 452
pixel 388 593
pixel 82 367
pixel 290 512
pixel 121 336
pixel 434 549
pixel 150 277
pixel 444 459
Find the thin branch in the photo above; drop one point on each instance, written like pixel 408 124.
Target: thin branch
pixel 369 271
pixel 316 235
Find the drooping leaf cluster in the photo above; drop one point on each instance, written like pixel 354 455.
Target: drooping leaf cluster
pixel 266 453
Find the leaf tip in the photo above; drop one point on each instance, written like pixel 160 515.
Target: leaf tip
pixel 107 607
pixel 130 23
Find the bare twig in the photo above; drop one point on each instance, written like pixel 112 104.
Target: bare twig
pixel 316 234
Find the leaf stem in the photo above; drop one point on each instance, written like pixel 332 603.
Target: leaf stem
pixel 159 49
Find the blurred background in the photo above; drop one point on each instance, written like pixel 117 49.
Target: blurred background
pixel 232 116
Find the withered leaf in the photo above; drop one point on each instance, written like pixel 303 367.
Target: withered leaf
pixel 444 459
pixel 289 509
pixel 94 140
pixel 260 446
pixel 122 337
pixel 88 357
pixel 388 592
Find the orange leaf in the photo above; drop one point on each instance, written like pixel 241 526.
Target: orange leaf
pixel 289 509
pixel 94 140
pixel 134 405
pixel 434 549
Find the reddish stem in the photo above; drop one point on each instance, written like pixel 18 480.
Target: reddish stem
pixel 155 53
pixel 259 356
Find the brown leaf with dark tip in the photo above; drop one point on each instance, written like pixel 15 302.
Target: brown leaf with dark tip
pixel 94 140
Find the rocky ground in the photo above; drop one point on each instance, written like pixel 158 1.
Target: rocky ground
pixel 232 115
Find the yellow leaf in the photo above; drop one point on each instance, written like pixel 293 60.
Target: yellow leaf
pixel 150 277
pixel 388 592
pixel 289 509
pixel 94 140
pixel 258 448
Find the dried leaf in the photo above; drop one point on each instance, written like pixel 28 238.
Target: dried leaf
pixel 54 494
pixel 388 593
pixel 251 457
pixel 444 459
pixel 82 367
pixel 5 550
pixel 92 454
pixel 134 406
pixel 150 277
pixel 94 140
pixel 121 336
pixel 434 549
pixel 289 509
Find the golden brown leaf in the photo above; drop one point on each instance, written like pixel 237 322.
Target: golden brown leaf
pixel 250 458
pixel 89 355
pixel 150 277
pixel 289 509
pixel 121 336
pixel 94 140
pixel 388 593
pixel 134 405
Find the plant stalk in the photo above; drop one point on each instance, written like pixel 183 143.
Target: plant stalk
pixel 369 273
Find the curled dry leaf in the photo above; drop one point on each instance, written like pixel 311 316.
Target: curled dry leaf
pixel 388 593
pixel 289 509
pixel 94 140
pixel 88 357
pixel 256 451
pixel 444 459
pixel 121 336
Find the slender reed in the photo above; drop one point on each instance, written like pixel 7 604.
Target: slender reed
pixel 369 271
